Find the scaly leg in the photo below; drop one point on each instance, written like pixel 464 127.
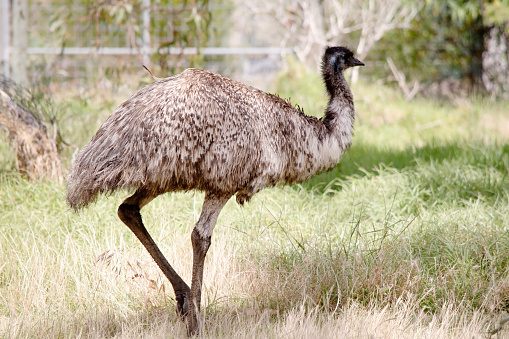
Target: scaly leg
pixel 129 213
pixel 201 239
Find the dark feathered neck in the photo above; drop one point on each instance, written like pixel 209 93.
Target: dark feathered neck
pixel 336 85
pixel 340 101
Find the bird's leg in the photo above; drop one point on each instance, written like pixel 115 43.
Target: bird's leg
pixel 201 239
pixel 129 213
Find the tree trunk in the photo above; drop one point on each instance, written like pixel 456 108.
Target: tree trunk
pixel 5 38
pixel 495 62
pixel 19 41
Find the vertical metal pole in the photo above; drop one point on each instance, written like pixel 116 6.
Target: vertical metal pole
pixel 19 41
pixel 146 32
pixel 5 34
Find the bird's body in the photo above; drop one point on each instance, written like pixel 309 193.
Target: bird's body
pixel 201 131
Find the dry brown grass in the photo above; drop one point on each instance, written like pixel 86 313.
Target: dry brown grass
pixel 35 146
pixel 122 295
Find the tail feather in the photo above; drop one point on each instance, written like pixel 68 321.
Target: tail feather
pixel 92 174
pixel 112 160
pixel 82 187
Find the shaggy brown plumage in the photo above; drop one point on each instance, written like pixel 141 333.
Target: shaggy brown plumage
pixel 200 130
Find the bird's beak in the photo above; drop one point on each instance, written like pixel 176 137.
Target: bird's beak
pixel 355 62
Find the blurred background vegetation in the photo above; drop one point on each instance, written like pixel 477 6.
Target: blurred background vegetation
pixel 435 47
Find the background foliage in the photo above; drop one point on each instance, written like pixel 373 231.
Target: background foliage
pixel 462 44
pixel 449 40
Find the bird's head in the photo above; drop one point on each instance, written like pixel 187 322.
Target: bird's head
pixel 334 61
pixel 337 59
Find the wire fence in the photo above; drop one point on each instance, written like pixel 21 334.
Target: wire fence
pixel 83 42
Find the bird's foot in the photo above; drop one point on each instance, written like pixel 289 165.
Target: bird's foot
pixel 182 304
pixel 193 328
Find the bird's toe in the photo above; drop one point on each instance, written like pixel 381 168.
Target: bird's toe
pixel 182 304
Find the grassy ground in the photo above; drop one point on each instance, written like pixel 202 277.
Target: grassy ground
pixel 406 238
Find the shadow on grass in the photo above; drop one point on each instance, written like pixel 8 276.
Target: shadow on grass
pixel 362 160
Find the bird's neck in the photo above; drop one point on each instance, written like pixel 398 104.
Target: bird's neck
pixel 340 114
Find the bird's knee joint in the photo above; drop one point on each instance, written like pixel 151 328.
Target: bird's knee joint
pixel 200 242
pixel 127 212
pixel 130 215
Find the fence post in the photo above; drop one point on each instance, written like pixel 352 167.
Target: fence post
pixel 5 32
pixel 146 32
pixel 19 41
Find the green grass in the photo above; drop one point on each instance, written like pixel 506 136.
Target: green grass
pixel 407 237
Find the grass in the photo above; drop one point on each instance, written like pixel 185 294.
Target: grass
pixel 406 238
